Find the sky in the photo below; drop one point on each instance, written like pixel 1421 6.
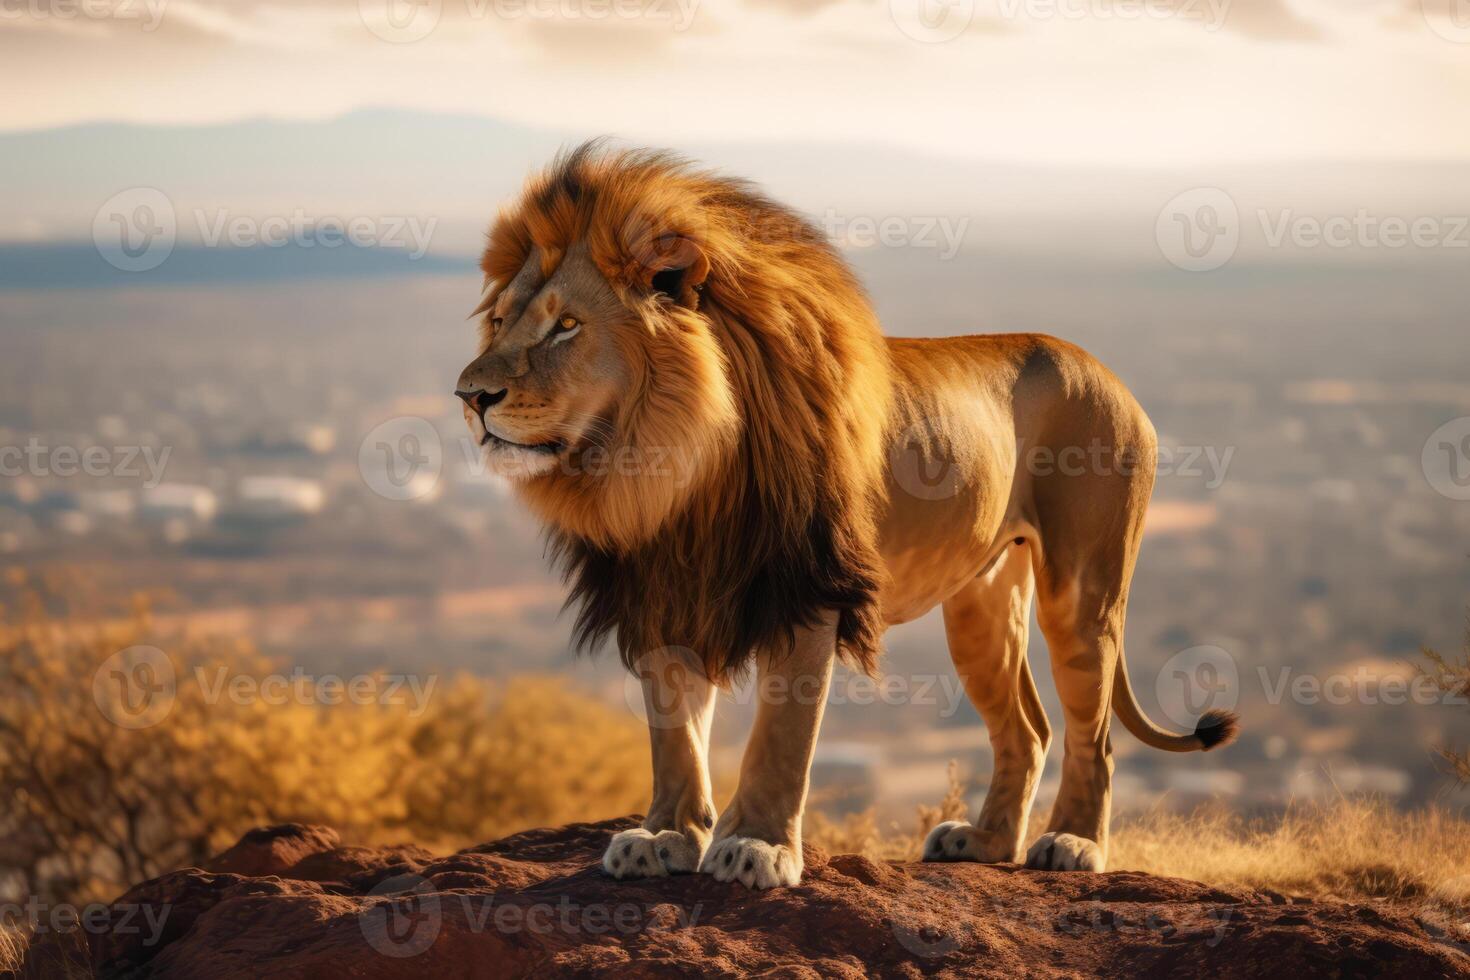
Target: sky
pixel 1131 83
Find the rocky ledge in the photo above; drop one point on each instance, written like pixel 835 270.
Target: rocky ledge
pixel 293 901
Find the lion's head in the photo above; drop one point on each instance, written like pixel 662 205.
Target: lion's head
pixel 685 381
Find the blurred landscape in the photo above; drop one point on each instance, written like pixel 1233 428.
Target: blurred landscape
pixel 262 397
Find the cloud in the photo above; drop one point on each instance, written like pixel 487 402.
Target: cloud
pixel 1268 20
pixel 600 41
pixel 802 8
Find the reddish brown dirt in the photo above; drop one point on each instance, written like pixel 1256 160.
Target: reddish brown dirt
pixel 292 902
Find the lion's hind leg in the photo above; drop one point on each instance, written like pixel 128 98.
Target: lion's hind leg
pixel 986 624
pixel 1082 595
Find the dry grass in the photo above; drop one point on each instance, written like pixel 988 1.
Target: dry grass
pixel 1350 849
pixel 1451 675
pixel 1356 849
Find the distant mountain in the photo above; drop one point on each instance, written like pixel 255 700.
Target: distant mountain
pixel 455 170
pixel 81 266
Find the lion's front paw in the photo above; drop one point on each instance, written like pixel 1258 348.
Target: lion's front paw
pixel 752 862
pixel 640 853
pixel 955 840
pixel 1064 852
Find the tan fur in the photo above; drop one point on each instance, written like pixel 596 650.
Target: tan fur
pixel 799 514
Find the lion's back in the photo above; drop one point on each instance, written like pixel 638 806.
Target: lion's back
pixel 1039 382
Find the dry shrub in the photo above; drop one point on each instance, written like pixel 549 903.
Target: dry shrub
pixel 1451 676
pixel 93 806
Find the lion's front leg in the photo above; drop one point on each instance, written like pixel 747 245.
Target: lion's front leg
pixel 758 839
pixel 679 703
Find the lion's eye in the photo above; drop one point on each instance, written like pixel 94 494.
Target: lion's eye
pixel 565 328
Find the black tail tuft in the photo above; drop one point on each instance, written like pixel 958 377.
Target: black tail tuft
pixel 1217 728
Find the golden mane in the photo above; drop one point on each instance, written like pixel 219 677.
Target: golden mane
pixel 763 381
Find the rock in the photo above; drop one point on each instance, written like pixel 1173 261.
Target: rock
pixel 291 901
pixel 273 850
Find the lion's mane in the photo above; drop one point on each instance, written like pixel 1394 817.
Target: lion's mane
pixel 764 389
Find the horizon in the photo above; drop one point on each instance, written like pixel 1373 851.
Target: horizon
pixel 1229 80
pixel 755 140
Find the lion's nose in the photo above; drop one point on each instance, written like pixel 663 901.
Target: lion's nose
pixel 480 400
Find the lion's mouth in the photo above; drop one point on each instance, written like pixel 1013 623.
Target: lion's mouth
pixel 496 442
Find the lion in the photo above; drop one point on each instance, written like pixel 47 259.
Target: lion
pixel 687 384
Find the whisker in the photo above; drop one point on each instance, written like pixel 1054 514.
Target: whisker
pixel 595 428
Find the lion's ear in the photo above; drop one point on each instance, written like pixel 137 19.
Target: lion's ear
pixel 678 268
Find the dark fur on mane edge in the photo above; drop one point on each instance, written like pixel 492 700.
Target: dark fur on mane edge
pixel 755 601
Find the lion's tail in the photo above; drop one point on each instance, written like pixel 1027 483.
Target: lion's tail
pixel 1215 727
